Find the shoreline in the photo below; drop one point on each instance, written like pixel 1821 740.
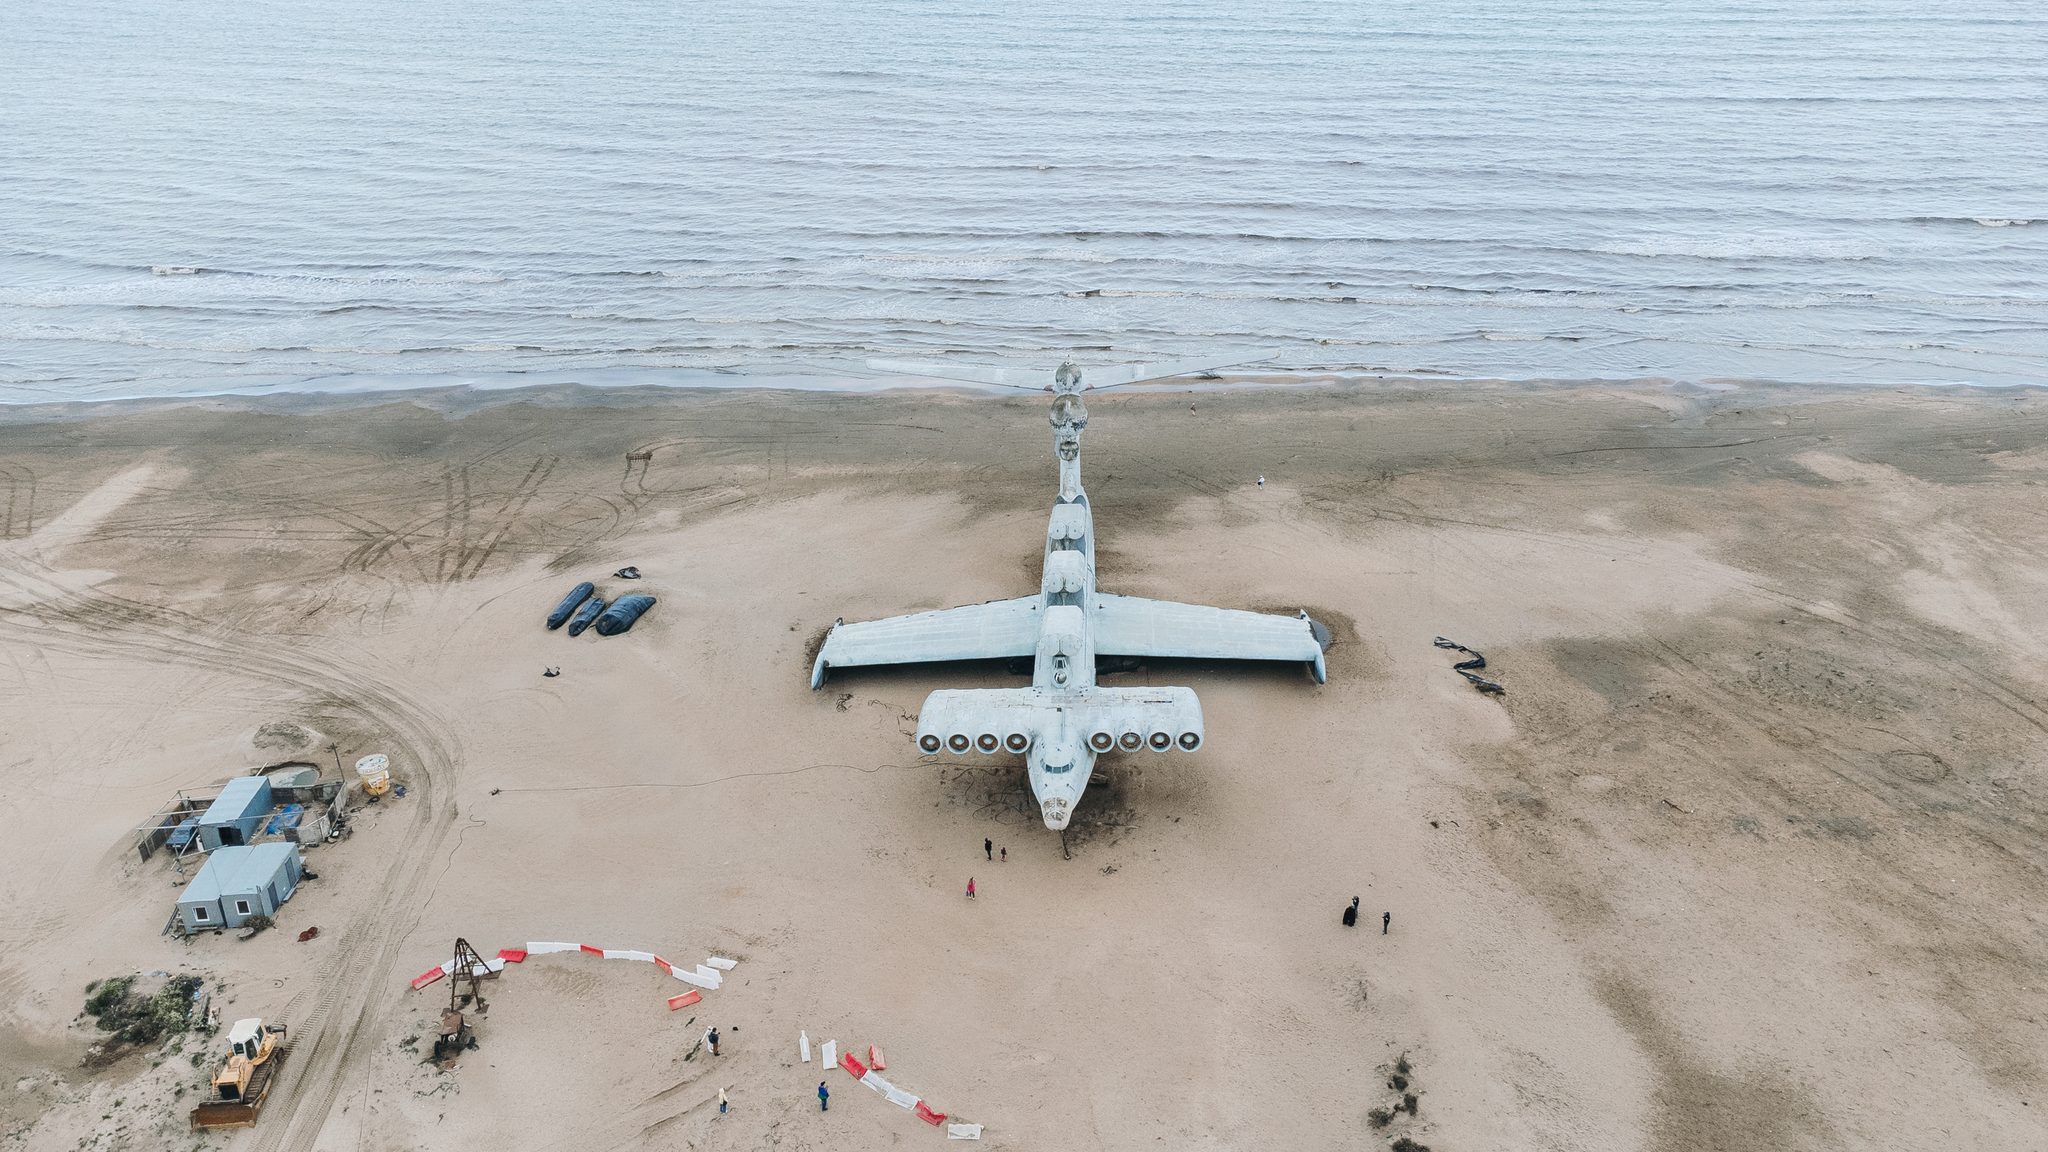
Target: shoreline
pixel 572 391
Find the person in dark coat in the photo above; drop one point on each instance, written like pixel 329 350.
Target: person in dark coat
pixel 989 846
pixel 1386 918
pixel 824 1098
pixel 1351 914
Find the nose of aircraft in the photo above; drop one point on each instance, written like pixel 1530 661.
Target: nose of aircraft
pixel 1057 812
pixel 1058 776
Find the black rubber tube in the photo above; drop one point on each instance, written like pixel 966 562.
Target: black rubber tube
pixel 576 596
pixel 620 616
pixel 585 615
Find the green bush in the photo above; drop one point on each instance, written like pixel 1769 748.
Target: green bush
pixel 136 1020
pixel 259 922
pixel 107 995
pixel 170 1010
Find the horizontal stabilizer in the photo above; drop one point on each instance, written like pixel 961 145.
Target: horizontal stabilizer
pixel 1138 373
pixel 1041 379
pixel 1036 379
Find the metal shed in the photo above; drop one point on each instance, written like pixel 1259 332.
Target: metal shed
pixel 235 814
pixel 199 903
pixel 238 882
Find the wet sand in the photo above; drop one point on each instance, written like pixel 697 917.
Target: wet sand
pixel 1749 855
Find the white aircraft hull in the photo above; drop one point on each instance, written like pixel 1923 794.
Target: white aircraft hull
pixel 1064 720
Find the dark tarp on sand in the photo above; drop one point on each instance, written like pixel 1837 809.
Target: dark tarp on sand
pixel 585 615
pixel 620 616
pixel 577 595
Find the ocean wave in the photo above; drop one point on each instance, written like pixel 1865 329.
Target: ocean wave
pixel 1387 188
pixel 1980 221
pixel 1741 247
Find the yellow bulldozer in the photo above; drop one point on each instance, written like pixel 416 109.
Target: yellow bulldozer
pixel 255 1050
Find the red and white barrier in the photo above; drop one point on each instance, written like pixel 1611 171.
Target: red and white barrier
pixel 432 974
pixel 867 1074
pixel 896 1096
pixel 709 975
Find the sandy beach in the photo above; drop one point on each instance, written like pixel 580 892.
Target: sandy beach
pixel 1749 855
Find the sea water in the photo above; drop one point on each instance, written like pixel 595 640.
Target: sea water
pixel 312 194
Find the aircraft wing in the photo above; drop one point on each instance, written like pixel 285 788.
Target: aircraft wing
pixel 992 720
pixel 1130 626
pixel 971 632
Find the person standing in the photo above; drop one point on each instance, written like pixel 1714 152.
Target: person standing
pixel 711 1038
pixel 824 1098
pixel 1351 914
pixel 721 1101
pixel 989 846
pixel 1006 853
pixel 1262 483
pixel 970 887
pixel 1386 918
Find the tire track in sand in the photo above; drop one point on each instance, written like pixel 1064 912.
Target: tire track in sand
pixel 332 1044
